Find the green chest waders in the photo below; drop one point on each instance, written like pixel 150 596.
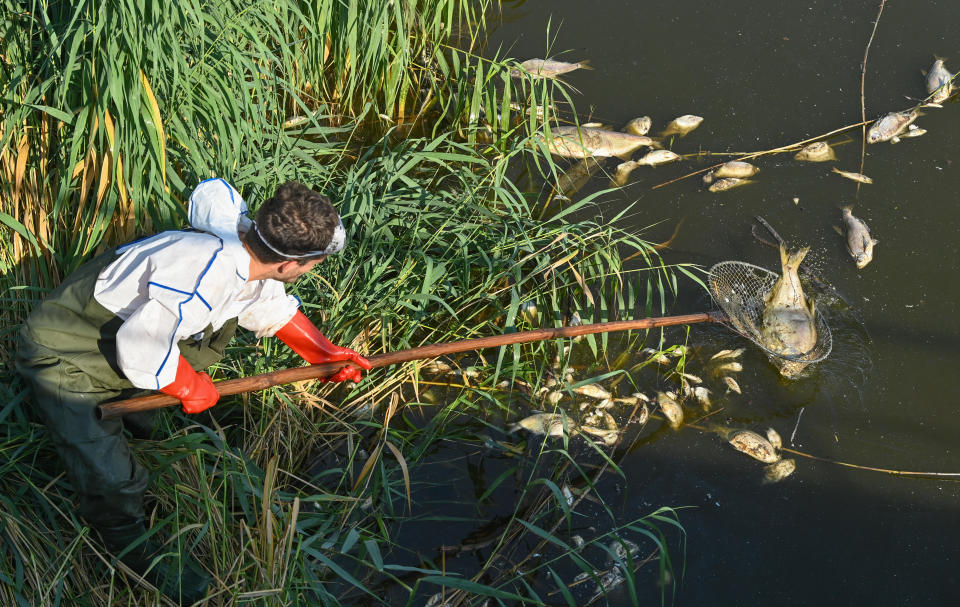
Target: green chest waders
pixel 67 354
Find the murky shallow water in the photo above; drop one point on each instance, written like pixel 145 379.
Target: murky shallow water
pixel 765 74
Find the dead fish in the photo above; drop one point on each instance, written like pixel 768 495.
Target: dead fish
pixel 939 82
pixel 678 351
pixel 774 437
pixel 593 391
pixel 528 311
pixel 789 318
pixel 912 131
pixel 623 172
pixel 690 377
pixel 621 548
pixel 682 125
pixel 657 157
pixel 546 424
pixel 656 356
pixel 639 126
pixel 643 415
pixel 859 242
pixel 436 366
pixel 731 367
pixel 607 436
pixel 553 397
pixel 819 151
pixel 891 125
pixel 754 445
pixel 854 176
pixel 570 182
pixel 735 168
pixel 728 354
pixel 582 142
pixel 671 409
pixel 703 396
pixel 774 473
pixel 547 68
pixel 608 422
pixel 732 384
pixel 722 185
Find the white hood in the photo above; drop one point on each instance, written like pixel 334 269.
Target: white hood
pixel 216 207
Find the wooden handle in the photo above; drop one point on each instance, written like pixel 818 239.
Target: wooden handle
pixel 286 376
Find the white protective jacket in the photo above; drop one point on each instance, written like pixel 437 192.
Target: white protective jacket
pixel 172 285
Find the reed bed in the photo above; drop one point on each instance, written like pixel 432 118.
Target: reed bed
pixel 112 112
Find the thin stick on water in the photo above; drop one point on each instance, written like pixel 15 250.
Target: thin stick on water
pixel 794 433
pixel 784 148
pixel 863 78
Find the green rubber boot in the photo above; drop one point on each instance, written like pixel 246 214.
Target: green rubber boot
pixel 178 576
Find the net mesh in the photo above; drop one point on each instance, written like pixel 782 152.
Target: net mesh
pixel 740 289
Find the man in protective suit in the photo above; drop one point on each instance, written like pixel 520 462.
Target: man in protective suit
pixel 151 315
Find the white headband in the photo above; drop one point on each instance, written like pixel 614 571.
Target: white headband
pixel 336 245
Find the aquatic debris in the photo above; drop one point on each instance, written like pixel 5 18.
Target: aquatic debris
pixel 546 424
pixel 609 581
pixel 577 542
pixel 437 600
pixel 567 495
pixel 547 68
pixel 891 125
pixel 621 548
pixel 582 142
pixel 939 84
pixel 788 326
pixel 754 445
pixel 671 409
pixel 657 157
pixel 728 354
pixel 774 437
pixel 819 151
pixel 732 384
pixel 639 126
pixel 859 242
pixel 682 125
pixel 728 183
pixel 593 391
pixel 774 473
pixel 854 176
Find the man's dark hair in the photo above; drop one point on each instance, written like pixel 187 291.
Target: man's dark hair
pixel 296 221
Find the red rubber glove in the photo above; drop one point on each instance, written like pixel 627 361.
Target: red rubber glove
pixel 195 390
pixel 305 339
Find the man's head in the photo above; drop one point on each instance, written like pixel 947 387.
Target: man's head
pixel 296 228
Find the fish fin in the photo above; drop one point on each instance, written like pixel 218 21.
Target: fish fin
pixel 813 307
pixel 875 241
pixel 836 170
pixel 585 64
pixel 784 256
pixel 838 230
pixel 656 143
pixel 894 140
pixel 513 427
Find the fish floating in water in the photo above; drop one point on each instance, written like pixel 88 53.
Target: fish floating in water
pixel 623 172
pixel 639 126
pixel 774 473
pixel 788 327
pixel 545 424
pixel 727 183
pixel 593 391
pixel 732 384
pixel 819 151
pixel 728 354
pixel 671 409
pixel 657 157
pixel 912 131
pixel 854 176
pixel 573 142
pixel 754 445
pixel 859 242
pixel 735 169
pixel 546 68
pixel 939 82
pixel 682 125
pixel 891 125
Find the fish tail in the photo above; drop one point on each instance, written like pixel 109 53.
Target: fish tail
pixel 585 64
pixel 847 209
pixel 792 261
pixel 836 170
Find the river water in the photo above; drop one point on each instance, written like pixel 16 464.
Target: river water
pixel 765 74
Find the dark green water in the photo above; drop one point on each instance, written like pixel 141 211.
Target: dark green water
pixel 765 74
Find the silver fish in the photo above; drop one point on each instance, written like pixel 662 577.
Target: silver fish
pixel 754 445
pixel 774 473
pixel 658 157
pixel 735 168
pixel 671 409
pixel 682 125
pixel 939 82
pixel 728 183
pixel 547 424
pixel 774 437
pixel 788 325
pixel 731 367
pixel 732 384
pixel 639 126
pixel 571 142
pixel 728 354
pixel 593 391
pixel 607 436
pixel 547 68
pixel 702 395
pixel 623 172
pixel 891 125
pixel 912 131
pixel 854 176
pixel 859 242
pixel 819 151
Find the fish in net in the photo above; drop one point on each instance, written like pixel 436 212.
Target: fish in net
pixel 741 290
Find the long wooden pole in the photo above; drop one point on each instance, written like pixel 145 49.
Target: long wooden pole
pixel 286 376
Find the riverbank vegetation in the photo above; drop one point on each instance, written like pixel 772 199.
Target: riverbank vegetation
pixel 311 494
